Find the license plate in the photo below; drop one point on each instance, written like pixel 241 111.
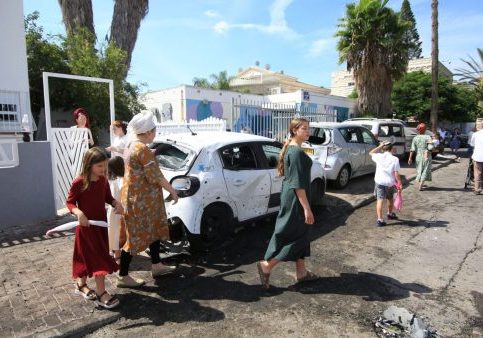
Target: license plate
pixel 309 151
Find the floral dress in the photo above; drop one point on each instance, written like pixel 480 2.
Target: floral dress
pixel 423 166
pixel 142 198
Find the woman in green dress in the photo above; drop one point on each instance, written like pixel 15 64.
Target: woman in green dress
pixel 290 240
pixel 423 156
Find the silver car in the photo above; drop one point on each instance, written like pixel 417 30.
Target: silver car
pixel 342 149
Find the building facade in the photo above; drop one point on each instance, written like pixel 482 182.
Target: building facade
pixel 343 82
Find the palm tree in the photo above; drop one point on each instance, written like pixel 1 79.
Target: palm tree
pixel 221 80
pixel 201 82
pixel 77 14
pixel 126 20
pixel 371 43
pixel 473 75
pixel 434 67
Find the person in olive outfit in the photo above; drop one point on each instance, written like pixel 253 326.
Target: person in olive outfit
pixel 290 240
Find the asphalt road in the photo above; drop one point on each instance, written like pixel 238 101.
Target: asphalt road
pixel 429 261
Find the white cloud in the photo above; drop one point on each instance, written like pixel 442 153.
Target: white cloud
pixel 278 24
pixel 211 13
pixel 318 47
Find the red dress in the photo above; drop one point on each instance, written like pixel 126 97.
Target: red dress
pixel 91 246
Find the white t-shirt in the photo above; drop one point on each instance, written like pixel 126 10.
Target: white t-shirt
pixel 477 143
pixel 118 146
pixel 386 165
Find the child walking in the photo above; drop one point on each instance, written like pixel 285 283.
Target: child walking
pixel 387 174
pixel 115 173
pixel 87 198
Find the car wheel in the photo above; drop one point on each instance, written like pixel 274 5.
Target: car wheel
pixel 216 225
pixel 343 177
pixel 317 192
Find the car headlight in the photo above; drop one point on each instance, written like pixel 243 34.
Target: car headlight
pixel 185 185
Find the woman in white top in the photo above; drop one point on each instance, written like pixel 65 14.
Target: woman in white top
pixel 119 129
pixel 82 121
pixel 115 171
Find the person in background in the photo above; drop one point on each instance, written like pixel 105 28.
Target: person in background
pixel 119 129
pixel 477 143
pixel 470 147
pixel 142 197
pixel 386 177
pixel 115 174
pixel 82 121
pixel 290 240
pixel 87 198
pixel 455 142
pixel 423 163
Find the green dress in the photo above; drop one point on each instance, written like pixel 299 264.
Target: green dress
pixel 423 166
pixel 290 240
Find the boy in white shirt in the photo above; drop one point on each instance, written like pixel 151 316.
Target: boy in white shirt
pixel 477 143
pixel 387 174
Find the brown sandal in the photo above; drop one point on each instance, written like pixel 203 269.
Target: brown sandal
pixel 309 276
pixel 107 304
pixel 84 291
pixel 264 277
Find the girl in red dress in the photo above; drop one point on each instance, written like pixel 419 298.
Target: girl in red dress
pixel 87 198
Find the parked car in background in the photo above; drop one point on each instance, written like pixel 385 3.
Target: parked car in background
pixel 342 149
pixel 385 130
pixel 223 178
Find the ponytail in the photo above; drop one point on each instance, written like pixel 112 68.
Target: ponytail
pixel 281 161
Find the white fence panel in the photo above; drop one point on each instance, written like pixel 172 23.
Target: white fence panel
pixel 172 127
pixel 68 148
pixel 8 153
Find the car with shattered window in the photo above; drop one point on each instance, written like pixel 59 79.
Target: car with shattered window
pixel 223 179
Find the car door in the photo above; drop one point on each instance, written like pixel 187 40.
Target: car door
pixel 356 148
pixel 247 182
pixel 271 152
pixel 370 143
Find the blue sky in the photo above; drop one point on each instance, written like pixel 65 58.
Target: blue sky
pixel 179 40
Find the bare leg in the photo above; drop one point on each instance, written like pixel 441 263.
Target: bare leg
pixel 100 285
pixel 421 185
pixel 267 266
pixel 81 281
pixel 379 205
pixel 300 268
pixel 390 205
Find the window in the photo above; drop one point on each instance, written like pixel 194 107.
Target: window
pixel 319 136
pixel 367 137
pixel 383 130
pixel 238 157
pixel 397 131
pixel 173 157
pixel 272 152
pixel 350 135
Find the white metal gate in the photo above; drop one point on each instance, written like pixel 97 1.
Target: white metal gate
pixel 69 146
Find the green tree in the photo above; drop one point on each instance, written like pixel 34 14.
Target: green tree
pixel 370 41
pixel 473 74
pixel 201 82
pixel 411 96
pixel 411 36
pixel 221 80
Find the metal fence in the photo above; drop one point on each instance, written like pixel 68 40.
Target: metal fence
pixel 15 116
pixel 273 119
pixel 174 127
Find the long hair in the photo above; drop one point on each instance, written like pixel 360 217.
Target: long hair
pixel 115 167
pixel 92 156
pixel 295 124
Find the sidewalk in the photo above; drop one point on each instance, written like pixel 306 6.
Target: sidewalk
pixel 37 294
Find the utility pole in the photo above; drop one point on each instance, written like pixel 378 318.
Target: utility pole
pixel 434 66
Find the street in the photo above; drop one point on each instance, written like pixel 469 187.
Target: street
pixel 429 262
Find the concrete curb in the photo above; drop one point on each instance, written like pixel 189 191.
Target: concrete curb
pixel 372 198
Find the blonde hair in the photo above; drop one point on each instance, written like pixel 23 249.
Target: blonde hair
pixel 295 124
pixel 92 156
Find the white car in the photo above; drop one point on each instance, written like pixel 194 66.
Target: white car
pixel 223 178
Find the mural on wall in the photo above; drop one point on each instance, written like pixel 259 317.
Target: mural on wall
pixel 254 120
pixel 202 109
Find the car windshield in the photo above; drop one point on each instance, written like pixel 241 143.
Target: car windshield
pixel 173 156
pixel 320 135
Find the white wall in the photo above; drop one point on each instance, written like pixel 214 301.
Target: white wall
pixel 13 55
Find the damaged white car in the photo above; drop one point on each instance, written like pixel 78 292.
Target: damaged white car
pixel 223 178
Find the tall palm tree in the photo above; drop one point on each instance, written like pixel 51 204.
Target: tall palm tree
pixel 201 82
pixel 371 43
pixel 473 75
pixel 221 80
pixel 126 20
pixel 434 66
pixel 77 14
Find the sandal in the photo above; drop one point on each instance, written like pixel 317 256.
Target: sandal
pixel 264 277
pixel 309 276
pixel 107 304
pixel 84 291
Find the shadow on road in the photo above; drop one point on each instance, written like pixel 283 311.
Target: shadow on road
pixel 419 223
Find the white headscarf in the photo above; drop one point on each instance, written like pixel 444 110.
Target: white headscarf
pixel 141 123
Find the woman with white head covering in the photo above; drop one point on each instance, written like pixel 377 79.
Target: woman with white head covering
pixel 142 197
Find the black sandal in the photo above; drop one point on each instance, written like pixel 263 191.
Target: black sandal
pixel 108 304
pixel 84 291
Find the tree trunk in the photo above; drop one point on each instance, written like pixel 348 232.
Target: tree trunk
pixel 434 66
pixel 374 84
pixel 77 14
pixel 126 20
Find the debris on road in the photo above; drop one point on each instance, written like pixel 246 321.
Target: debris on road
pixel 399 322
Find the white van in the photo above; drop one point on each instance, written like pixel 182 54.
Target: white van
pixel 385 130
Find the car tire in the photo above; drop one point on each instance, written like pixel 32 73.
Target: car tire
pixel 317 192
pixel 216 225
pixel 343 177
